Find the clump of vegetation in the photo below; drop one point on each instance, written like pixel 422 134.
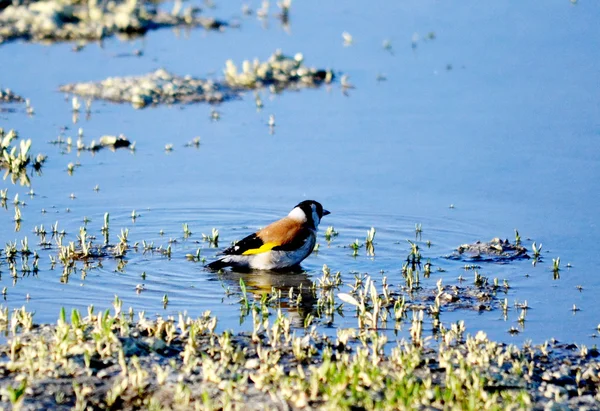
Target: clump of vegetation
pixel 161 87
pixel 90 20
pixel 279 71
pixel 15 159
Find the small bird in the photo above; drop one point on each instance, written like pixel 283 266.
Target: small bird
pixel 280 245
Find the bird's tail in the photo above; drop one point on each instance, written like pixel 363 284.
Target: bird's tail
pixel 217 265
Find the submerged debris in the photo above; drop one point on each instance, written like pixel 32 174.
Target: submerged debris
pixel 7 96
pixel 494 250
pixel 89 20
pixel 107 141
pixel 162 87
pixel 453 298
pixel 112 142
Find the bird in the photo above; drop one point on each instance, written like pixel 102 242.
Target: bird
pixel 281 245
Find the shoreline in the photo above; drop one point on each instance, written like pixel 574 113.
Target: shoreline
pixel 125 360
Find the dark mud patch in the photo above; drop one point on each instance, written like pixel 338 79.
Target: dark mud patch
pixel 496 250
pixel 454 297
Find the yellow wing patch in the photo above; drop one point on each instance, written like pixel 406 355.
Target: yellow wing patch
pixel 262 249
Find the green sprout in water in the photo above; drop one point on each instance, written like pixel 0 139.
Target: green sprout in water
pixel 480 280
pixel 369 242
pixel 213 238
pixel 105 229
pixel 186 231
pixel 244 300
pixel 330 233
pixel 194 143
pixel 84 243
pixel 3 197
pixel 258 101
pixel 427 269
pixel 517 238
pixel 387 45
pixel 348 40
pixel 194 257
pixel 556 267
pixel 536 252
pixel 17 218
pixel 355 246
pixel 327 281
pixel 418 231
pixel 414 257
pixel 411 277
pixel 521 318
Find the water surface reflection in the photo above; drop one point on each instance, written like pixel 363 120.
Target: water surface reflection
pixel 263 284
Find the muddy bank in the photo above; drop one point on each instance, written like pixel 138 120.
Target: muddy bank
pixel 113 361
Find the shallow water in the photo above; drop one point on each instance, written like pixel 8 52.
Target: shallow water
pixel 498 116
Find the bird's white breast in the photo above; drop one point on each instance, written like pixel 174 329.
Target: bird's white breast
pixel 282 259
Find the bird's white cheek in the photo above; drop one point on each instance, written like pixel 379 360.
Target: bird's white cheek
pixel 297 214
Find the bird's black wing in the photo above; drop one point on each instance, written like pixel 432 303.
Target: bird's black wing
pixel 251 242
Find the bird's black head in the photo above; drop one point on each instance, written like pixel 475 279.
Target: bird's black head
pixel 313 212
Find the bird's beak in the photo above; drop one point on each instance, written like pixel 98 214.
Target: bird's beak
pixel 325 212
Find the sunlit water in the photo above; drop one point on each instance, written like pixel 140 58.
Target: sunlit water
pixel 497 115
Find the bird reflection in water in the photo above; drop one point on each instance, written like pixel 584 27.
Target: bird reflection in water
pixel 261 283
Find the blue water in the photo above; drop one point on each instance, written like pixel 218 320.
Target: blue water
pixel 499 115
